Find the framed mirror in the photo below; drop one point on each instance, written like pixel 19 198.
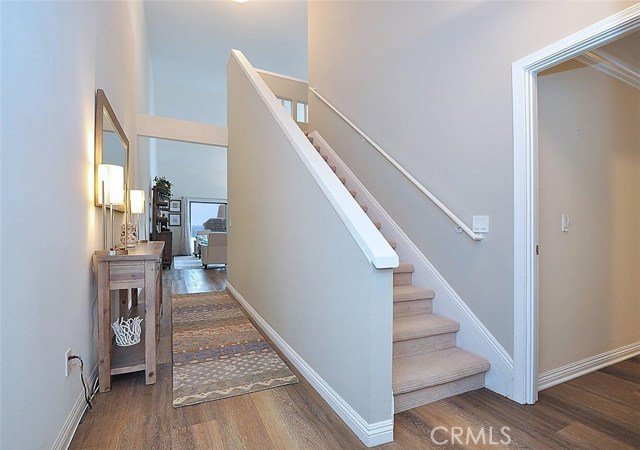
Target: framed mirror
pixel 111 144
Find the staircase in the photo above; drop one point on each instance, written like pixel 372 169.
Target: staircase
pixel 427 365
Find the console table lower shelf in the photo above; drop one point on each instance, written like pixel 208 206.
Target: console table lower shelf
pixel 140 270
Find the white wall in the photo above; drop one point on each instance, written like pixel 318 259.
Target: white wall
pixel 54 56
pixel 292 257
pixel 190 47
pixel 195 171
pixel 431 83
pixel 589 168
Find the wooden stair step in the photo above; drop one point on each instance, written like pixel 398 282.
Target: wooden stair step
pixel 422 325
pixel 317 147
pixel 403 274
pixel 334 168
pixel 411 373
pixel 343 180
pixel 404 268
pixel 325 157
pixel 365 208
pixel 411 293
pixel 393 244
pixel 410 300
pixel 352 192
pixel 378 225
pixel 414 399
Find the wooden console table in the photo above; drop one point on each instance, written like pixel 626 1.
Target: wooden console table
pixel 141 269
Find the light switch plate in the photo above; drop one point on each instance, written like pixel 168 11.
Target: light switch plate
pixel 565 223
pixel 480 224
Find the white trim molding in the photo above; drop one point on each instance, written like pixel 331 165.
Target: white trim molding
pixel 371 434
pixel 609 64
pixel 284 77
pixel 525 136
pixel 70 426
pixel 366 235
pixel 473 335
pixel 587 365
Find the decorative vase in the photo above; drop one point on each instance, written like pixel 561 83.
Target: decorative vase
pixel 127 332
pixel 129 235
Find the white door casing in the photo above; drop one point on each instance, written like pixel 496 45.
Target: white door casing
pixel 525 135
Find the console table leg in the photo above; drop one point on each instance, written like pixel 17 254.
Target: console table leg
pixel 104 327
pixel 150 269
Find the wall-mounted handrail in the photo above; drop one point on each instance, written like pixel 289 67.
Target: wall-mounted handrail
pixel 460 224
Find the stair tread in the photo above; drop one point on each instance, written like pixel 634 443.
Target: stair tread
pixel 393 244
pixel 411 373
pixel 409 292
pixel 422 325
pixel 404 268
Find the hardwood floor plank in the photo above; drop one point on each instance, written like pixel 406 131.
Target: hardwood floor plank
pixel 609 386
pixel 625 370
pixel 584 437
pixel 277 421
pixel 241 425
pixel 595 412
pixel 199 436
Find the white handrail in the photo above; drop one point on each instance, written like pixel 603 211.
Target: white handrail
pixel 460 224
pixel 374 246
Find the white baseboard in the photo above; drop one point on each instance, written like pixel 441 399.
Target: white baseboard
pixel 65 436
pixel 587 365
pixel 473 335
pixel 371 434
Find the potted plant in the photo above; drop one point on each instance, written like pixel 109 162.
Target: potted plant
pixel 163 183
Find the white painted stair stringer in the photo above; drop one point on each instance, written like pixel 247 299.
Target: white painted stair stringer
pixel 473 335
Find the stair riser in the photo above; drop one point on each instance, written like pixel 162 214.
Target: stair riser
pixel 409 400
pixel 402 279
pixel 426 344
pixel 401 309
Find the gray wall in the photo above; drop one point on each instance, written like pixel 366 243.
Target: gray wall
pixel 54 56
pixel 431 83
pixel 293 259
pixel 589 166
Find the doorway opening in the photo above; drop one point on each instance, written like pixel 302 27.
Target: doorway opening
pixel 525 117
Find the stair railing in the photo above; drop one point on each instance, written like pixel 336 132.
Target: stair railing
pixel 460 225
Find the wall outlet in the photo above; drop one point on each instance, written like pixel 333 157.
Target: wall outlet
pixel 67 363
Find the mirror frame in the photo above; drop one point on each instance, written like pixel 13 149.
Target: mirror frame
pixel 103 104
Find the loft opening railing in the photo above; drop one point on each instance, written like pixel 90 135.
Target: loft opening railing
pixel 460 225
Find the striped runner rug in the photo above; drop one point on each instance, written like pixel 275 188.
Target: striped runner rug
pixel 218 353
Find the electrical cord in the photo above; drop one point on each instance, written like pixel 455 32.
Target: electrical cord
pixel 88 395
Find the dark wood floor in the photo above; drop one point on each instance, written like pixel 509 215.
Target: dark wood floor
pixel 597 411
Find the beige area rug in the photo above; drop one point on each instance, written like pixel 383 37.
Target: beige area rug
pixel 217 352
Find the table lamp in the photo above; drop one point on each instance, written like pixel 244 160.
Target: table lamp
pixel 110 192
pixel 136 202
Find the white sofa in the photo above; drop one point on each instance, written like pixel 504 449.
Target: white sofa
pixel 215 250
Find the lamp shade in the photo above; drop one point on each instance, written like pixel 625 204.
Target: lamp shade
pixel 113 178
pixel 136 200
